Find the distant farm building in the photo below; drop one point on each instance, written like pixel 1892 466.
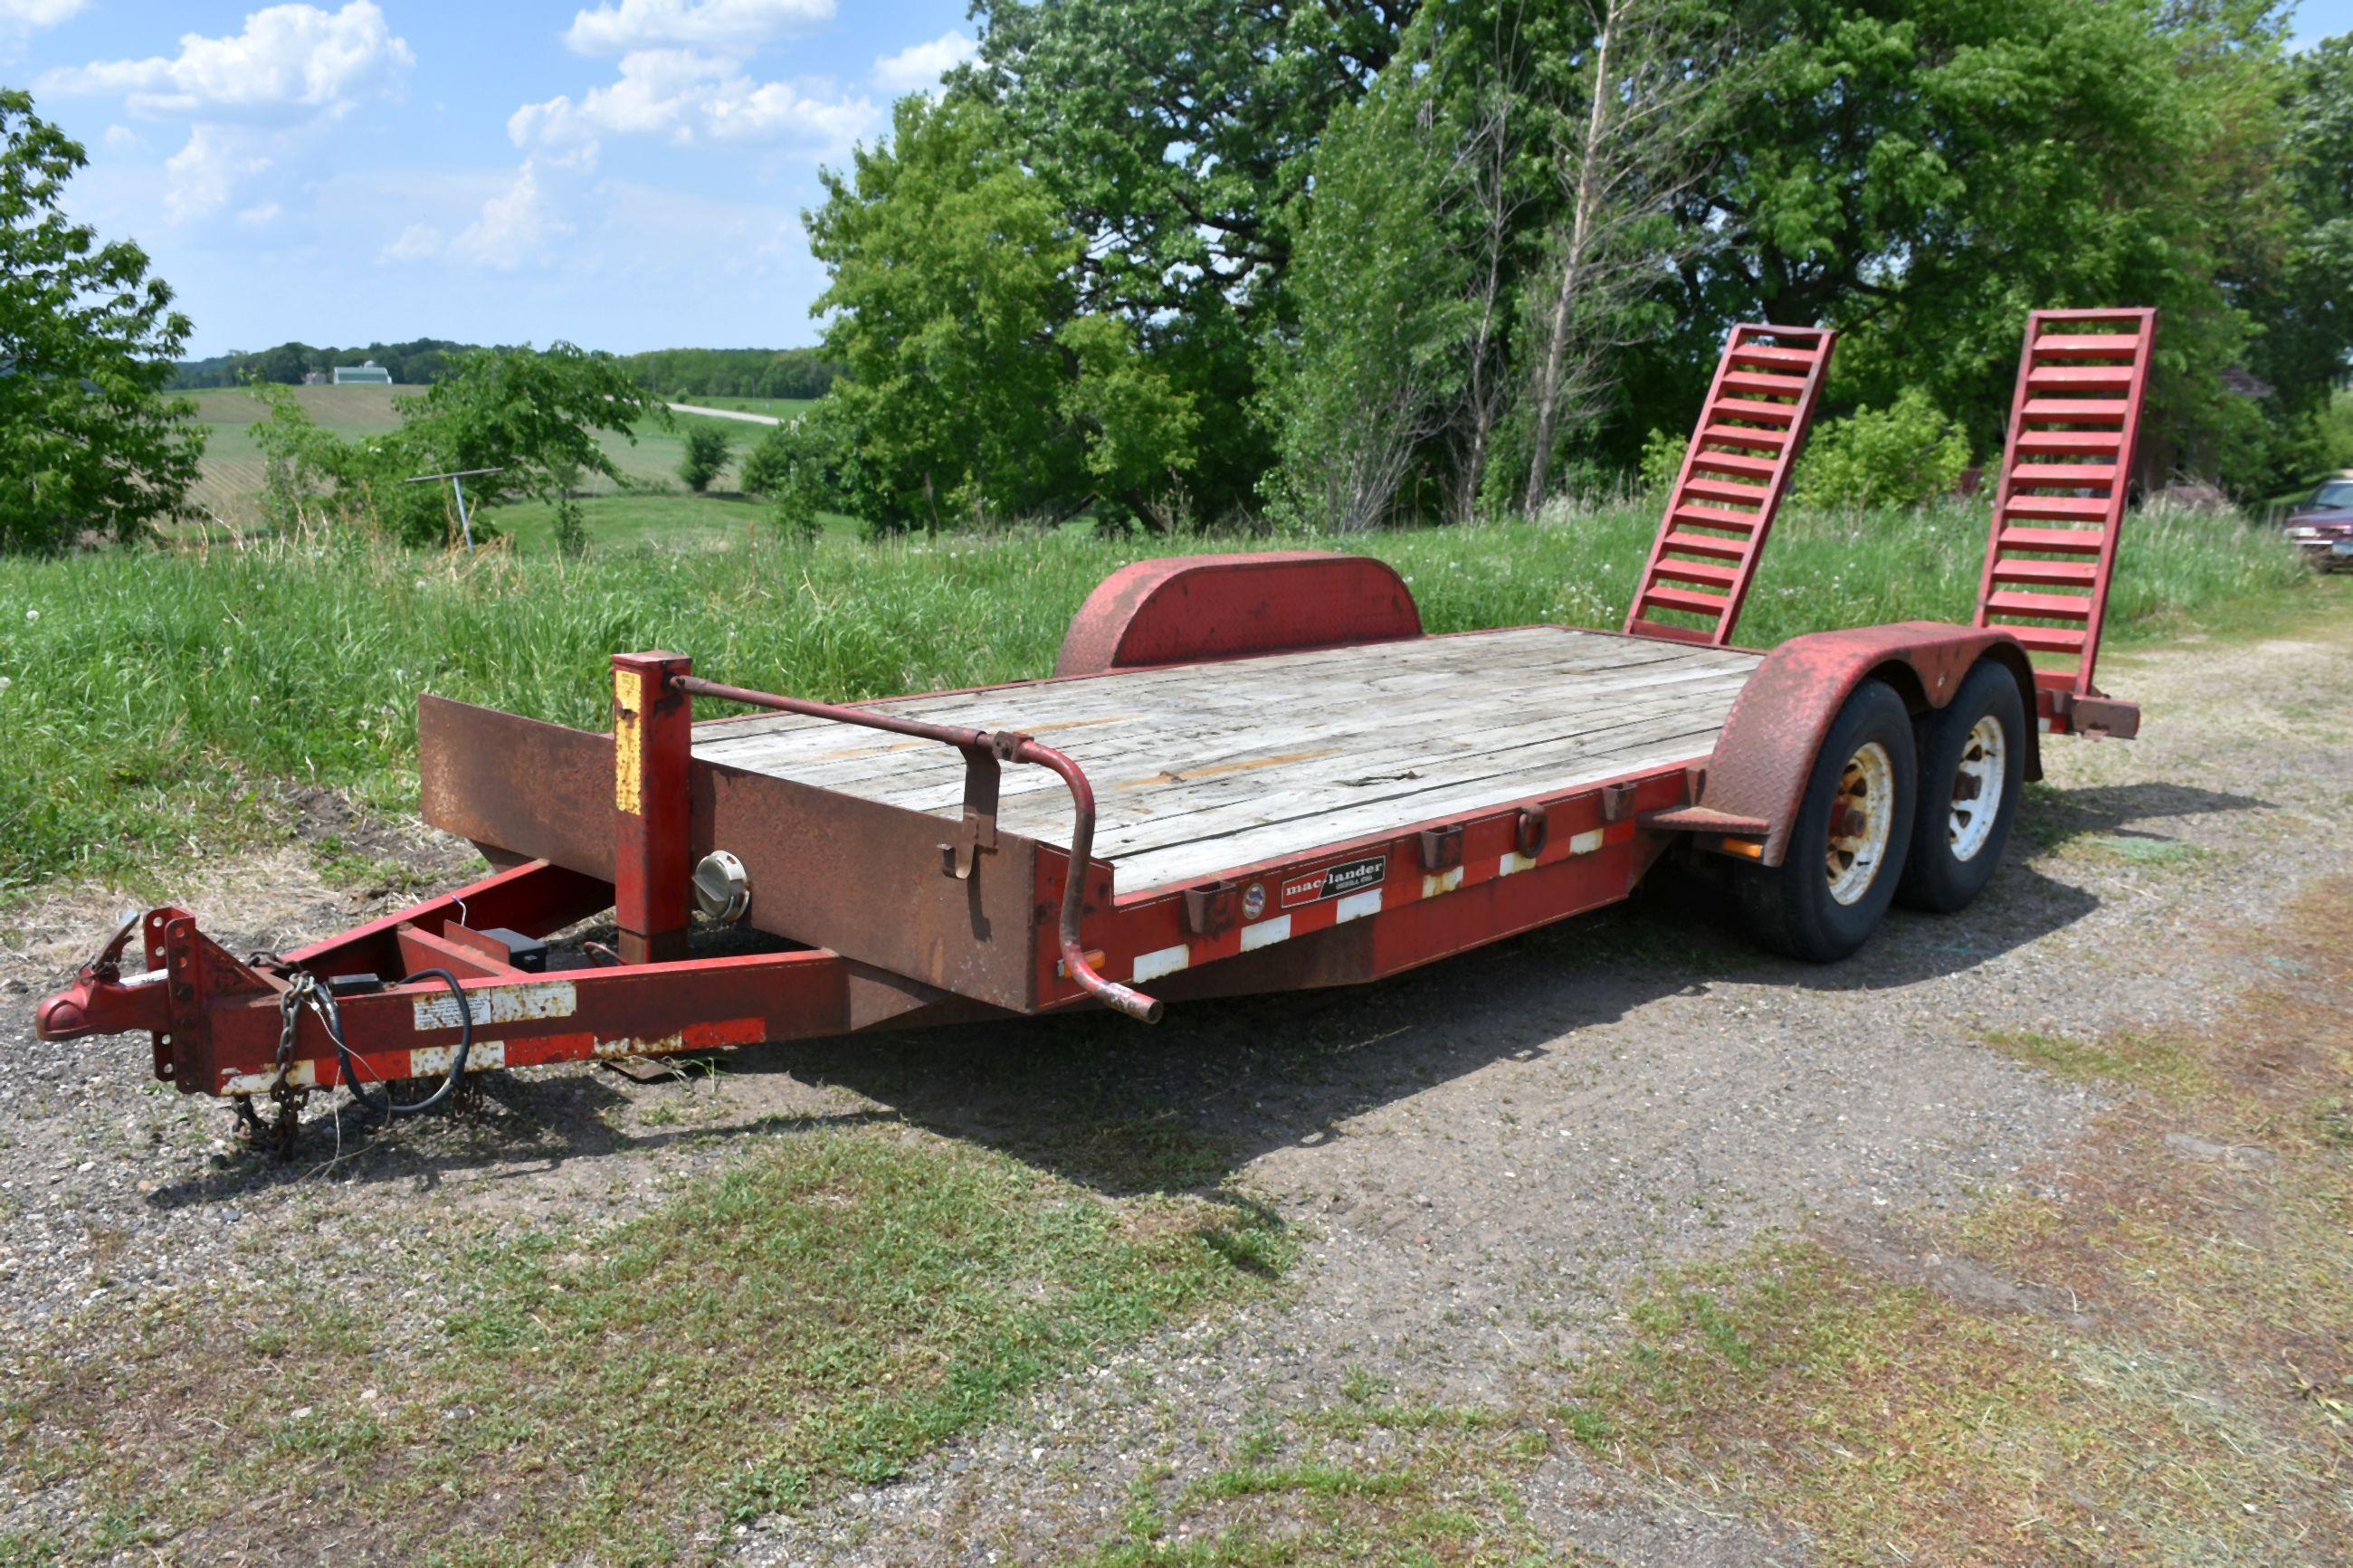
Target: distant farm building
pixel 368 374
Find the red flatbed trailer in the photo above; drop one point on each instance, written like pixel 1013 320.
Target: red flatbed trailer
pixel 1249 773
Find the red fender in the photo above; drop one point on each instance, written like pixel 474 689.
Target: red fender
pixel 1186 607
pixel 1766 754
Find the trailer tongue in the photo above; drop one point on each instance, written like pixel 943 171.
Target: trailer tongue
pixel 1260 776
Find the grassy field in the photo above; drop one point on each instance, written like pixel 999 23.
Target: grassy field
pixel 230 488
pixel 148 690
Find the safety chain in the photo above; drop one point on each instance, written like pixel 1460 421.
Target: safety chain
pixel 276 1134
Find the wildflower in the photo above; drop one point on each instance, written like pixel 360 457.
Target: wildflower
pixel 5 683
pixel 32 615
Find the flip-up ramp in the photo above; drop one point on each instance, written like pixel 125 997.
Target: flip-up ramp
pixel 1733 475
pixel 2065 477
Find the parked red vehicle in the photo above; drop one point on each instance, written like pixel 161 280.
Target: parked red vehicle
pixel 1262 776
pixel 2322 527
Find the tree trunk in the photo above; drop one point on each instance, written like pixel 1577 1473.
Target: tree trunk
pixel 1552 371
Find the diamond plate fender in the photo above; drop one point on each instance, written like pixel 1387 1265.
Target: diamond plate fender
pixel 1766 753
pixel 1181 608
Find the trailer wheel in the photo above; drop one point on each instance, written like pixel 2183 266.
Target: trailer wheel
pixel 1972 769
pixel 1848 844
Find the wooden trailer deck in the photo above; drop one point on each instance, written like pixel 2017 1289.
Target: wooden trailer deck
pixel 1202 768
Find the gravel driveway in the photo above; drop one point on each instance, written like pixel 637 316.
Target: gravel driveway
pixel 1476 1158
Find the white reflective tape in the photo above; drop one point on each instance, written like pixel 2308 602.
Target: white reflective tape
pixel 300 1075
pixel 1358 905
pixel 1435 883
pixel 1514 861
pixel 502 1004
pixel 1266 934
pixel 433 1061
pixel 1587 842
pixel 1162 960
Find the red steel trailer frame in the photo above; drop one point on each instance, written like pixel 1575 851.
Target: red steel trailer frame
pixel 891 917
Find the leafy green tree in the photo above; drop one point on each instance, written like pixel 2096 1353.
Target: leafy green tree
pixel 88 342
pixel 1176 138
pixel 705 455
pixel 975 387
pixel 524 424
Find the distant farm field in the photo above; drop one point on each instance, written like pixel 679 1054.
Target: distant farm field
pixel 230 488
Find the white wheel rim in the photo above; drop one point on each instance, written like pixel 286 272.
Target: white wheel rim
pixel 1978 784
pixel 1861 814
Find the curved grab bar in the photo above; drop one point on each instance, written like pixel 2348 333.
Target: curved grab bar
pixel 1005 745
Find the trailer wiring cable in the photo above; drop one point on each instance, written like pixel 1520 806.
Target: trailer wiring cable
pixel 306 991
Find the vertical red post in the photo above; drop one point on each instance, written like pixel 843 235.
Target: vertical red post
pixel 653 744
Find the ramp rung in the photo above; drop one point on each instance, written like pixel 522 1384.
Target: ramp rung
pixel 1744 435
pixel 1640 628
pixel 1714 545
pixel 2066 443
pixel 2085 507
pixel 2087 346
pixel 1760 381
pixel 2070 474
pixel 2075 411
pixel 1726 489
pixel 1798 360
pixel 2071 540
pixel 1784 414
pixel 2071 572
pixel 2052 606
pixel 1715 517
pixel 1733 463
pixel 2048 640
pixel 2065 378
pixel 1691 600
pixel 1698 571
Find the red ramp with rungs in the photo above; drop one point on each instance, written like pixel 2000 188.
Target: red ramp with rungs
pixel 2061 500
pixel 1733 475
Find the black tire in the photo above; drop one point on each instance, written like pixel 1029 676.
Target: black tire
pixel 1793 907
pixel 1956 846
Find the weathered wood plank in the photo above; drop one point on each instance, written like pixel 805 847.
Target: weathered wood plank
pixel 1200 768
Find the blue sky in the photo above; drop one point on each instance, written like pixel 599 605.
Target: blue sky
pixel 626 173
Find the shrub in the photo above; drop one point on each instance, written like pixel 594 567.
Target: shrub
pixel 706 453
pixel 1663 460
pixel 1904 455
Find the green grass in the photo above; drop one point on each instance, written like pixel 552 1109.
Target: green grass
pixel 148 689
pixel 817 1317
pixel 647 458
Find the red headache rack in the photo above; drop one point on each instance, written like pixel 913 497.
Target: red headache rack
pixel 1735 473
pixel 2060 504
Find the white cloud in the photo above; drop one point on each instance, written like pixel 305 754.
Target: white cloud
pixel 682 96
pixel 205 173
pixel 515 226
pixel 919 66
pixel 261 216
pixel 30 16
pixel 123 140
pixel 612 29
pixel 418 242
pixel 294 57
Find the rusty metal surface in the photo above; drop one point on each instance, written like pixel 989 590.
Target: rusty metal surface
pixel 1182 608
pixel 1766 754
pixel 983 749
pixel 541 791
